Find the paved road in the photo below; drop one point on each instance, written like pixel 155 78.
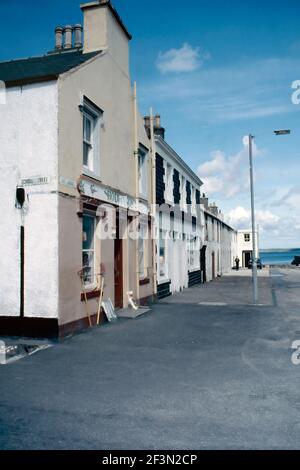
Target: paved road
pixel 184 376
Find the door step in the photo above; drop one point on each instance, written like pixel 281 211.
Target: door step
pixel 132 314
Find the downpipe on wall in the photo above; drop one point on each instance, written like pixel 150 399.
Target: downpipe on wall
pixel 20 204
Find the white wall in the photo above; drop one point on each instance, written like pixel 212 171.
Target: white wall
pixel 222 242
pixel 243 246
pixel 28 148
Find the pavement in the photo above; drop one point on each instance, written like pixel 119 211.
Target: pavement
pixel 204 369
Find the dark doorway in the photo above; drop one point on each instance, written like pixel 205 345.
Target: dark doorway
pixel 247 255
pixel 118 267
pixel 203 264
pixel 213 262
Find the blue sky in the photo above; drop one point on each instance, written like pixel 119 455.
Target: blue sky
pixel 215 71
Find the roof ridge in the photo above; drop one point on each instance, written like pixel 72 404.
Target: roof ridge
pixel 24 59
pixel 39 68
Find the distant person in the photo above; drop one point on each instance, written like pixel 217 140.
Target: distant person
pixel 237 263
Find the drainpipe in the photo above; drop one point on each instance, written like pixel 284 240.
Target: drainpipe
pixel 153 201
pixel 20 201
pixel 137 189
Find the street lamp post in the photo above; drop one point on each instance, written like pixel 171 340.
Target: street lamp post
pixel 254 244
pixel 254 260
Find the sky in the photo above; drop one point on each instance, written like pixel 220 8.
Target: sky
pixel 216 72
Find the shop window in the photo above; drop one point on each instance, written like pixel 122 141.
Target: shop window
pixel 194 254
pixel 163 272
pixel 88 250
pixel 143 252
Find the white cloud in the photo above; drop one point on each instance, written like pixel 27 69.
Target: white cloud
pixel 240 218
pixel 227 176
pixel 216 164
pixel 291 199
pixel 248 90
pixel 185 59
pixel 276 230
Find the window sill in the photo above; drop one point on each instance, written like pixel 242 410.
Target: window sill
pixel 144 197
pixel 93 294
pixel 169 201
pixel 90 175
pixel 164 281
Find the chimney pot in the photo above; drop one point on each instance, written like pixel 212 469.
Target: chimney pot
pixel 68 30
pixel 78 36
pixel 59 37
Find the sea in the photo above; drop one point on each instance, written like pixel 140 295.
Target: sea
pixel 279 257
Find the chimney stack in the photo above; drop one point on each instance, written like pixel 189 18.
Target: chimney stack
pixel 78 36
pixel 213 208
pixel 59 38
pixel 68 30
pixel 204 201
pixel 158 129
pixel 104 30
pixel 157 121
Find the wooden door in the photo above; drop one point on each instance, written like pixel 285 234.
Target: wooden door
pixel 203 263
pixel 118 268
pixel 247 258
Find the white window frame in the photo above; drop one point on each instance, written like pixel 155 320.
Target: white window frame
pixel 143 251
pixel 143 172
pixel 193 197
pixel 92 284
pixel 183 193
pixel 247 237
pixel 194 254
pixel 163 277
pixel 94 115
pixel 169 193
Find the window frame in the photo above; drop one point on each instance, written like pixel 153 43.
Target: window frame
pixel 92 284
pixel 143 248
pixel 163 277
pixel 183 193
pixel 94 115
pixel 194 260
pixel 89 143
pixel 169 182
pixel 143 172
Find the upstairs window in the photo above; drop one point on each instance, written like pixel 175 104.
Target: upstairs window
pixel 193 200
pixel 91 137
pixel 183 192
pixel 247 237
pixel 88 147
pixel 169 183
pixel 143 173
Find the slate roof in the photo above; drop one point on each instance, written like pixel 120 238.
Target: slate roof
pixel 38 69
